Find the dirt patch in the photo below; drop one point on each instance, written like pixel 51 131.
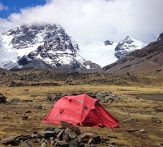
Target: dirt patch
pixel 151 96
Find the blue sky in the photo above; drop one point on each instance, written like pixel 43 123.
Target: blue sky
pixel 14 6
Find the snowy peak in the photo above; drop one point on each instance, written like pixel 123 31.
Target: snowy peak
pixel 128 45
pixel 28 35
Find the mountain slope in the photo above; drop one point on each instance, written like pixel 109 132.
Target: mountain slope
pixel 41 43
pixel 148 60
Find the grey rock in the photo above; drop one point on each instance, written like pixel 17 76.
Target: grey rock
pixel 73 144
pixel 46 134
pixel 72 135
pixel 60 134
pixel 26 144
pixel 15 140
pixel 10 140
pixel 61 144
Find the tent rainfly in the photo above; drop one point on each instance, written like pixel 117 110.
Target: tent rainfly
pixel 80 110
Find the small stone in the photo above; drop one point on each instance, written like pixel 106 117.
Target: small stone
pixel 62 144
pixel 59 136
pixel 43 143
pixel 29 111
pixel 38 107
pixel 73 144
pixel 2 98
pixel 50 129
pixel 46 134
pixel 161 143
pixel 72 135
pixel 142 131
pixel 132 130
pixel 156 120
pixel 10 140
pixel 25 144
pixel 24 117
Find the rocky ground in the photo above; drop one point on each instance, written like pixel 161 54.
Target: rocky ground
pixel 51 78
pixel 22 109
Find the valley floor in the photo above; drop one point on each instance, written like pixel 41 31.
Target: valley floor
pixel 140 108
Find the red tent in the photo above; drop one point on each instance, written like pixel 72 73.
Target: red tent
pixel 80 110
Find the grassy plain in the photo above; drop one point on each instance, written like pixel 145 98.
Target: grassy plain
pixel 132 105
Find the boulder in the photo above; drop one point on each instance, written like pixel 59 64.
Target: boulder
pixel 10 140
pixel 15 140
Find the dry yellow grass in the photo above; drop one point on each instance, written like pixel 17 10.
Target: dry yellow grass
pixel 21 92
pixel 128 107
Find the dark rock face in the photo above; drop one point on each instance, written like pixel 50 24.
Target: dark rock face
pixel 2 98
pixel 37 64
pixel 108 42
pixel 54 37
pixel 160 36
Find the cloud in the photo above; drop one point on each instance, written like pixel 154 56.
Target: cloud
pixel 96 20
pixel 3 7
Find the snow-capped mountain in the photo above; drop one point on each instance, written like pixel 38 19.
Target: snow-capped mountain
pixel 49 46
pixel 128 45
pixel 108 52
pixel 146 61
pixel 48 43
